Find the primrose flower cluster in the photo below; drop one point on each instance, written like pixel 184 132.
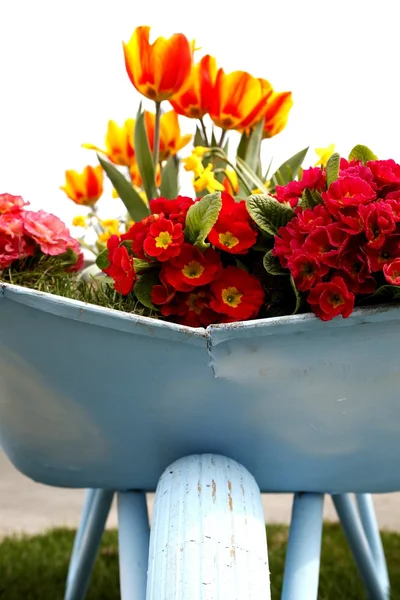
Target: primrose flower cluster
pixel 168 262
pixel 28 234
pixel 343 242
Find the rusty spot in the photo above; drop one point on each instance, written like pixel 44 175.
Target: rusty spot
pixel 230 502
pixel 233 552
pixel 199 487
pixel 229 486
pixel 214 491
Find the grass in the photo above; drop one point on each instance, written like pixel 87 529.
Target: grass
pixel 34 568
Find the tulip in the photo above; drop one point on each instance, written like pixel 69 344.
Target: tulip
pixel 84 188
pixel 158 70
pixel 118 142
pixel 277 112
pixel 194 98
pixel 239 100
pixel 171 140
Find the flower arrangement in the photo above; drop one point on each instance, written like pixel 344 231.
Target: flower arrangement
pixel 249 244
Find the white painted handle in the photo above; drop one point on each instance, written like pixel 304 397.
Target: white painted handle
pixel 208 538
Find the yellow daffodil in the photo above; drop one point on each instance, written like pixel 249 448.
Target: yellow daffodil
pixel 79 221
pixel 207 181
pixel 111 227
pixel 193 163
pixel 324 154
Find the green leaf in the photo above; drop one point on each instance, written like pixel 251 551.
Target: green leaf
pixel 129 196
pixel 143 287
pixel 272 265
pixel 253 149
pixel 169 179
pixel 297 296
pixel 251 178
pixel 386 293
pixel 201 218
pixel 289 169
pixel 362 153
pixel 242 146
pixel 268 213
pixel 199 138
pixel 102 260
pixel 141 266
pixel 310 198
pixel 332 168
pixel 144 157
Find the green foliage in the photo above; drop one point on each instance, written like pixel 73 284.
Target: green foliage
pixel 252 155
pixel 268 214
pixel 129 196
pixel 102 260
pixel 310 198
pixel 272 265
pixel 144 157
pixel 288 171
pixel 201 218
pixel 332 168
pixel 143 287
pixel 362 153
pixel 170 179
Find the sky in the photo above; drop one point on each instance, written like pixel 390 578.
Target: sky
pixel 62 77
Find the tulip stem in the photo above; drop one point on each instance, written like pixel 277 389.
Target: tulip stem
pixel 156 151
pixel 204 130
pixel 222 138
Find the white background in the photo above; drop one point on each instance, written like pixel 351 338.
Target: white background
pixel 62 76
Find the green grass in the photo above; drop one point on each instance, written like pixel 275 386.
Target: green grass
pixel 34 568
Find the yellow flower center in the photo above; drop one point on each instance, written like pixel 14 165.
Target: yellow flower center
pixel 395 275
pixel 193 270
pixel 231 296
pixel 228 239
pixel 163 239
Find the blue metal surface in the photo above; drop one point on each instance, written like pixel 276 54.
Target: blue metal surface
pixel 376 587
pixel 134 539
pixel 300 581
pixel 368 519
pixel 82 565
pixel 87 506
pixel 298 402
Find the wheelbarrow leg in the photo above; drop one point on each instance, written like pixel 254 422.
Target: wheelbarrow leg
pixel 357 540
pixel 133 537
pixel 96 509
pixel 303 552
pixel 208 536
pixel 368 519
pixel 87 505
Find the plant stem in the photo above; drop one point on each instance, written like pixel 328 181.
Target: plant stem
pixel 156 151
pixel 204 130
pixel 222 138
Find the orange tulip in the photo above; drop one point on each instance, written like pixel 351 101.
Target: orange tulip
pixel 239 100
pixel 171 140
pixel 118 142
pixel 194 99
pixel 276 115
pixel 84 188
pixel 136 178
pixel 158 70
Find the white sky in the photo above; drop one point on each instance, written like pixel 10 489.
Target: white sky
pixel 62 76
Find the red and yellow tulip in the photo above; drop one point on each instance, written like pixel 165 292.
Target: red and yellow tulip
pixel 158 70
pixel 118 143
pixel 277 113
pixel 171 140
pixel 84 188
pixel 194 99
pixel 239 100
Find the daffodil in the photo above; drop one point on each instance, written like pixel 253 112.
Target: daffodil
pixel 79 221
pixel 207 181
pixel 324 155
